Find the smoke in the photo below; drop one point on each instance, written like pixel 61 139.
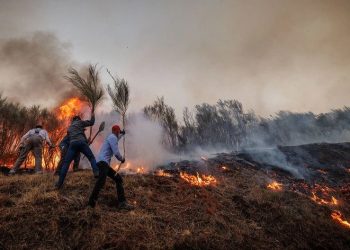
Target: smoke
pixel 274 157
pixel 143 137
pixel 32 69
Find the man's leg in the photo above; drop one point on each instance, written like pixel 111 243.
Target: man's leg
pixel 103 167
pixel 60 163
pixel 85 149
pixel 37 151
pixel 66 162
pixel 118 183
pixel 22 157
pixel 76 162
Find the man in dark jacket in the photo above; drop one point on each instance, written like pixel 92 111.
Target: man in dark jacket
pixel 78 144
pixel 108 149
pixel 64 145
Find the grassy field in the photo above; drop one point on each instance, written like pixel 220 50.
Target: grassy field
pixel 239 212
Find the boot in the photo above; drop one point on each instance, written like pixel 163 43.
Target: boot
pixel 12 172
pixel 125 206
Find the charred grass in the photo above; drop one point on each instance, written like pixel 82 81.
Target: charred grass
pixel 170 214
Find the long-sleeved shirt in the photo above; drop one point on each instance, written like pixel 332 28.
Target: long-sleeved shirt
pixel 36 131
pixel 76 130
pixel 109 148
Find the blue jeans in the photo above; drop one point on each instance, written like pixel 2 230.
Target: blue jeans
pixel 74 148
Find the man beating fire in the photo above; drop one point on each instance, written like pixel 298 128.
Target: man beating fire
pixel 108 149
pixel 32 141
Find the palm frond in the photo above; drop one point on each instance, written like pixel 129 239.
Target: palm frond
pixel 120 94
pixel 90 88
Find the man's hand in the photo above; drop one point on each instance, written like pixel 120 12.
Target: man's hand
pixel 123 160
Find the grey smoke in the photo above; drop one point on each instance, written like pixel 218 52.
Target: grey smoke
pixel 32 69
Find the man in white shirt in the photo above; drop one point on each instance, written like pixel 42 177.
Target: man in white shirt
pixel 32 141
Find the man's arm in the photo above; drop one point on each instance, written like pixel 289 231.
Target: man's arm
pixel 24 137
pixel 47 139
pixel 113 142
pixel 88 123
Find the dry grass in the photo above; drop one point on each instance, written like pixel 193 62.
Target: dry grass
pixel 238 213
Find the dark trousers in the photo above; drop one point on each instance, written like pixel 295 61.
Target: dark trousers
pixel 76 147
pixel 106 170
pixel 76 160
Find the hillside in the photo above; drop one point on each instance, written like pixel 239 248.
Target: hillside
pixel 239 211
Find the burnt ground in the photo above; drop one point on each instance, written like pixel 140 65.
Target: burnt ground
pixel 238 212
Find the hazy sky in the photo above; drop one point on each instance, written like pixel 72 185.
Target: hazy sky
pixel 269 54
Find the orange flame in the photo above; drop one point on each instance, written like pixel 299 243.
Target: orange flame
pixel 337 216
pixel 161 172
pixel 197 180
pixel 275 186
pixel 321 201
pixel 69 108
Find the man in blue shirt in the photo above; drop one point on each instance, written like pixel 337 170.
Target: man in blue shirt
pixel 108 149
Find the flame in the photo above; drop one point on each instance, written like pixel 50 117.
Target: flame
pixel 69 108
pixel 275 186
pixel 337 216
pixel 224 168
pixel 321 201
pixel 161 172
pixel 140 170
pixel 197 180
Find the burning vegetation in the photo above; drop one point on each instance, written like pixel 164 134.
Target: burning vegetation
pixel 275 186
pixel 239 211
pixel 198 180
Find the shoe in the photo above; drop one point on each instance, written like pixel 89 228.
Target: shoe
pixel 12 172
pixel 58 186
pixel 125 206
pixel 57 173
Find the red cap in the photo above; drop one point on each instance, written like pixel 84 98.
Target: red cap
pixel 116 129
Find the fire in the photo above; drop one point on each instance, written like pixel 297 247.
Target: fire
pixel 140 170
pixel 161 172
pixel 69 108
pixel 321 201
pixel 337 216
pixel 275 186
pixel 224 168
pixel 198 180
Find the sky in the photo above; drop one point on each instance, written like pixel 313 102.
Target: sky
pixel 271 55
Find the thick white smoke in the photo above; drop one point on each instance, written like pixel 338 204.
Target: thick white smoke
pixel 144 148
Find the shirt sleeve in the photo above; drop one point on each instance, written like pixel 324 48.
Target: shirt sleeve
pixel 24 137
pixel 113 143
pixel 88 123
